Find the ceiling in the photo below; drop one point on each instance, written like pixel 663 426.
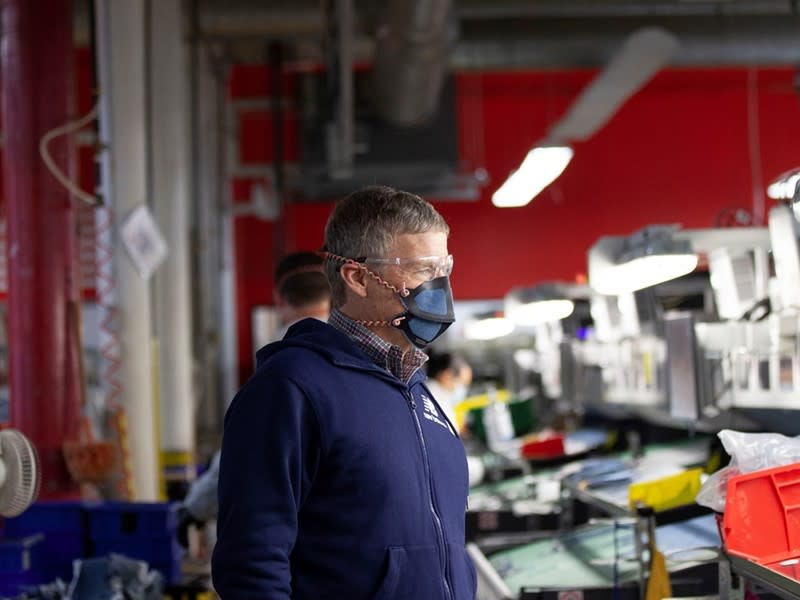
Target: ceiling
pixel 528 34
pixel 494 34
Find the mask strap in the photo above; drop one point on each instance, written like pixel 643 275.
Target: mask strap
pixel 403 291
pixel 393 323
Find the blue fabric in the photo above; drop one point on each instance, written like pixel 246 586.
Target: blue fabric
pixel 326 489
pixel 432 301
pixel 427 330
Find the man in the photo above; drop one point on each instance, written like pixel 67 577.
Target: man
pixel 301 291
pixel 449 378
pixel 340 475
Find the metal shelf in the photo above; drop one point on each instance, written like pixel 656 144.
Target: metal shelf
pixel 772 580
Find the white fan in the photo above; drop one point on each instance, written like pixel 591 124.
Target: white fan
pixel 20 474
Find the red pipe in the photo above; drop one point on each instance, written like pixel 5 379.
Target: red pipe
pixel 37 81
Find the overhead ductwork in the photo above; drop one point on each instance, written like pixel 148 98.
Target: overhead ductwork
pixel 562 42
pixel 411 58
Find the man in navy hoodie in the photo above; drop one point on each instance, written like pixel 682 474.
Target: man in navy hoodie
pixel 341 477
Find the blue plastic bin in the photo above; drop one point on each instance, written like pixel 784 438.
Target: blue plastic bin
pixel 137 519
pixel 152 550
pixel 12 585
pixel 66 516
pixel 18 556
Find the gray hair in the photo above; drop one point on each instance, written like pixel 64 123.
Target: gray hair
pixel 366 222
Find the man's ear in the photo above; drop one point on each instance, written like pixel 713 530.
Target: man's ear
pixel 354 278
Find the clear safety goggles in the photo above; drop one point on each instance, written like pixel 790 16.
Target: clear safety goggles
pixel 423 267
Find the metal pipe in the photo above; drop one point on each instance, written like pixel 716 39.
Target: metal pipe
pixel 568 42
pixel 341 147
pixel 37 93
pixel 410 62
pixel 206 193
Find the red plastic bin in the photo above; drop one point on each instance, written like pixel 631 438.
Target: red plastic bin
pixel 542 446
pixel 762 515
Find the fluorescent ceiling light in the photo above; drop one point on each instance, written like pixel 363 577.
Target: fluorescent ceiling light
pixel 542 311
pixel 539 169
pixel 488 329
pixel 643 272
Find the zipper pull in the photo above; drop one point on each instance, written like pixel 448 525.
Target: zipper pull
pixel 411 401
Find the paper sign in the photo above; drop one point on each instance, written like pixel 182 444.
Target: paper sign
pixel 143 241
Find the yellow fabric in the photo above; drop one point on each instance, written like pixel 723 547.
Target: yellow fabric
pixel 666 492
pixel 658 584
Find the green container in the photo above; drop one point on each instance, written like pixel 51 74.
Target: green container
pixel 522 418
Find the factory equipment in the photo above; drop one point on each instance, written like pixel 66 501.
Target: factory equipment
pixel 609 557
pixel 679 362
pixel 554 312
pixel 751 360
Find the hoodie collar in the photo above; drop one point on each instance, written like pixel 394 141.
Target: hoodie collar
pixel 402 364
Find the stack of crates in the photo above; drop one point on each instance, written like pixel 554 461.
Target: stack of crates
pixel 140 530
pixel 19 563
pixel 63 528
pixel 40 545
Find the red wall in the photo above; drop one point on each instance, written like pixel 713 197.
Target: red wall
pixel 678 152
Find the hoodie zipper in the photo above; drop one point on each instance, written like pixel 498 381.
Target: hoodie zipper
pixel 436 519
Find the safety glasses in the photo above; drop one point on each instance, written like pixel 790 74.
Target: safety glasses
pixel 423 267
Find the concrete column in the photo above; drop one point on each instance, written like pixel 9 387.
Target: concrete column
pixel 171 176
pixel 124 295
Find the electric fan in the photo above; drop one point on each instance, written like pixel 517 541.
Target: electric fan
pixel 20 474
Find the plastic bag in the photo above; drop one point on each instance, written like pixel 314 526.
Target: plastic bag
pixel 749 452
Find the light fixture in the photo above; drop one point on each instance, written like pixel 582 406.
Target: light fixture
pixel 785 186
pixel 541 167
pixel 784 230
pixel 620 265
pixel 542 303
pixel 488 327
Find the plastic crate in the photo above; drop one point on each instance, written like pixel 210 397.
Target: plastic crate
pixel 19 556
pixel 12 585
pixel 67 516
pixel 152 550
pixel 136 519
pixel 762 515
pixel 60 547
pixel 62 570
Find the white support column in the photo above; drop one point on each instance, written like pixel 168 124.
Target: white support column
pixel 171 175
pixel 227 276
pixel 124 295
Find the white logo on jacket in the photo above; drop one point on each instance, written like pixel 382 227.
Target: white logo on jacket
pixel 429 412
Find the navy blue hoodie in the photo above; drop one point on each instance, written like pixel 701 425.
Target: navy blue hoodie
pixel 338 480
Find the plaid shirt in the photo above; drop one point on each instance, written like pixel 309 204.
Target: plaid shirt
pixel 388 356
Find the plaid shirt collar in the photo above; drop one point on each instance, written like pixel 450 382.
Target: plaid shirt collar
pixel 401 364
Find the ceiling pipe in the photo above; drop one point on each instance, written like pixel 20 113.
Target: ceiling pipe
pixel 411 58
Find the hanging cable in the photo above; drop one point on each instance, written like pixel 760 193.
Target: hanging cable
pixel 53 167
